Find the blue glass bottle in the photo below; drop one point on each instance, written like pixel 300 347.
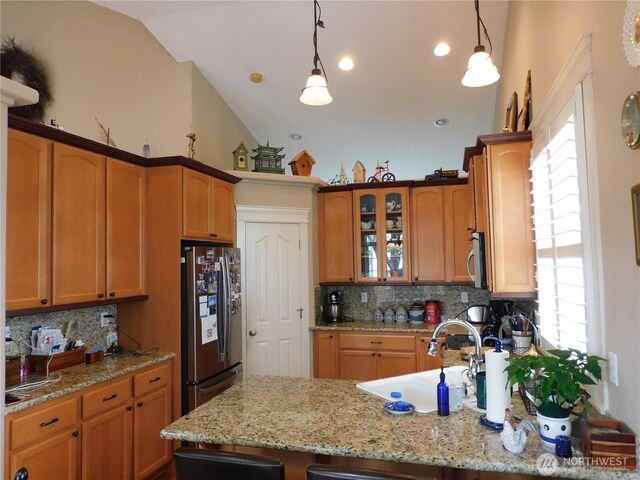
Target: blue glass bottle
pixel 443 395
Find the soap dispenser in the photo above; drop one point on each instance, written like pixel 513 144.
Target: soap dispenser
pixel 443 395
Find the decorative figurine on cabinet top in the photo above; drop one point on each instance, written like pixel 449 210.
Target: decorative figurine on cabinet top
pixel 359 172
pixel 240 161
pixel 382 174
pixel 192 140
pixel 267 160
pixel 302 164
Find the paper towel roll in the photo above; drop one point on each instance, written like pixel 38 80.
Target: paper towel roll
pixel 498 394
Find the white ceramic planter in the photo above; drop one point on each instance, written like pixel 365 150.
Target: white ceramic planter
pixel 549 428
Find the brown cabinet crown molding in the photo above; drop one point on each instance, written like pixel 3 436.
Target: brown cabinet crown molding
pixel 401 183
pixel 61 136
pixel 483 140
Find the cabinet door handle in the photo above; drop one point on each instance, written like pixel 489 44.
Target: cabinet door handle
pixel 112 294
pixel 330 336
pixel 154 380
pixel 53 420
pixel 373 354
pixel 44 301
pixel 379 279
pixel 101 295
pixel 416 279
pixel 213 235
pixel 379 354
pixel 106 399
pixel 140 404
pixel 351 279
pixel 378 341
pixel 76 433
pixel 129 408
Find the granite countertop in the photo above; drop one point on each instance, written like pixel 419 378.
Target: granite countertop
pixel 333 417
pixel 84 376
pixel 370 326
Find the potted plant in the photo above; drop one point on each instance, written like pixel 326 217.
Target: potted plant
pixel 555 384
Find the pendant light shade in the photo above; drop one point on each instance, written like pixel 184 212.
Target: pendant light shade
pixel 480 70
pixel 316 92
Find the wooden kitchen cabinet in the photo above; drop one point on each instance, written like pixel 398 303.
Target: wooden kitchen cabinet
pixel 439 236
pixel 335 245
pixel 126 229
pixel 78 225
pixel 325 355
pixel 207 211
pixel 372 356
pixel 28 259
pixel 503 212
pixel 44 439
pixel 381 226
pixel 152 412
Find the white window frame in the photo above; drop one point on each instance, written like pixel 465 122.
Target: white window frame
pixel 575 82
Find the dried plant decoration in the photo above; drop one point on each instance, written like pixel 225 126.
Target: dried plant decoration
pixel 23 67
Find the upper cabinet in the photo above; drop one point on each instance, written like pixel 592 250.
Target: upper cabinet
pixel 380 230
pixel 335 228
pixel 439 236
pixel 28 221
pixel 501 188
pixel 207 208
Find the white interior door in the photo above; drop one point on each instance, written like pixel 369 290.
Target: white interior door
pixel 273 293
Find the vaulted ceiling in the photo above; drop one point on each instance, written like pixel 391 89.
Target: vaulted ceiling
pixel 383 109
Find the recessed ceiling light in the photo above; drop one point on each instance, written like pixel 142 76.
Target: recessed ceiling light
pixel 256 77
pixel 346 64
pixel 442 49
pixel 441 122
pixel 295 136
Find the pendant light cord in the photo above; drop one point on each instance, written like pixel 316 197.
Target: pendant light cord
pixel 317 22
pixel 484 28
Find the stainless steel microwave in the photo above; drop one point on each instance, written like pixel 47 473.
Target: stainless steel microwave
pixel 476 265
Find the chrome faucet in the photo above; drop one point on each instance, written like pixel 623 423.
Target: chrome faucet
pixel 475 360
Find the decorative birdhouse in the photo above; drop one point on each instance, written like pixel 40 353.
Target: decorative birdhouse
pixel 302 164
pixel 240 159
pixel 359 173
pixel 267 159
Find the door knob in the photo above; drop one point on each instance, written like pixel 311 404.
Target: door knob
pixel 252 332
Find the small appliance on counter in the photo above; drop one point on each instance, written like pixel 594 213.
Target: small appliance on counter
pixel 432 311
pixel 333 309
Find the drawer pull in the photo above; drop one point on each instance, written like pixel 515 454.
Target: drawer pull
pixel 154 380
pixel 106 399
pixel 378 341
pixel 46 424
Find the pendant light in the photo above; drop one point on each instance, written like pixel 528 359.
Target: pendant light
pixel 316 91
pixel 480 71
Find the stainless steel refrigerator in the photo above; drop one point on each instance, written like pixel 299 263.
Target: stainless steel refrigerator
pixel 211 322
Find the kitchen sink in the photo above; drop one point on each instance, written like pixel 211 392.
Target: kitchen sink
pixel 420 388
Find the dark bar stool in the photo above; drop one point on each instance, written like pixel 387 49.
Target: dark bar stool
pixel 328 472
pixel 199 464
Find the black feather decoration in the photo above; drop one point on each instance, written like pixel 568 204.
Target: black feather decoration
pixel 23 67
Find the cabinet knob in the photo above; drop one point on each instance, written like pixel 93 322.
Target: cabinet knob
pixel 379 354
pixel 101 295
pixel 379 279
pixel 129 408
pixel 373 354
pixel 112 294
pixel 140 404
pixel 44 301
pixel 330 336
pixel 351 279
pixel 76 433
pixel 213 235
pixel 416 279
pixel 384 279
pixel 22 474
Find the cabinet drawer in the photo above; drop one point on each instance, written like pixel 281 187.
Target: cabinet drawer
pixel 43 422
pixel 105 398
pixel 151 379
pixel 403 343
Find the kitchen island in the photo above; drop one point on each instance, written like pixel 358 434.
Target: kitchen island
pixel 333 418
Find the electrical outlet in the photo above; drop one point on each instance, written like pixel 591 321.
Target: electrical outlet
pixel 613 368
pixel 107 319
pixel 464 297
pixel 364 297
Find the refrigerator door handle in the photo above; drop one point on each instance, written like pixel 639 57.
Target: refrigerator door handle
pixel 223 337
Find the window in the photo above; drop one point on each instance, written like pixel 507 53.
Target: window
pixel 558 200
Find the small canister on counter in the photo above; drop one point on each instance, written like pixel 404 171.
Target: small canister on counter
pixel 432 311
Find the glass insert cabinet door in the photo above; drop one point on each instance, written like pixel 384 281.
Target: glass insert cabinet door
pixel 380 234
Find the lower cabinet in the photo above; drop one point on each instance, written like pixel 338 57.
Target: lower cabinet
pixel 117 436
pixel 369 356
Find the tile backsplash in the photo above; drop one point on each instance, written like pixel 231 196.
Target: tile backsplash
pixel 86 326
pixel 449 297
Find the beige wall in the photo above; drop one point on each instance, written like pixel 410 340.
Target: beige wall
pixel 105 65
pixel 541 36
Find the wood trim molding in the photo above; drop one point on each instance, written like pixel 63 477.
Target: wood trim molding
pixel 483 140
pixel 254 213
pixel 73 306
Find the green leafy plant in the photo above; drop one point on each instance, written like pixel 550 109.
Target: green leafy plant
pixel 556 381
